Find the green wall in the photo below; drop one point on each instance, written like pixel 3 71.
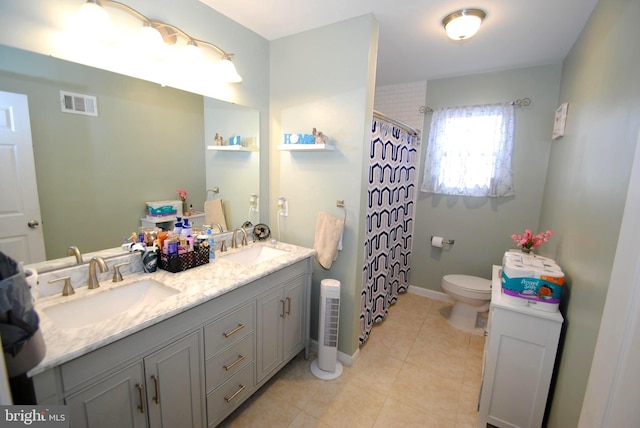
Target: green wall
pixel 481 227
pixel 587 184
pixel 95 174
pixel 324 78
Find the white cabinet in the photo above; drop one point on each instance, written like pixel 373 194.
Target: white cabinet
pixel 195 220
pixel 162 390
pixel 519 358
pixel 282 320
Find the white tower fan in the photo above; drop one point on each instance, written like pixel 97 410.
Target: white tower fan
pixel 327 366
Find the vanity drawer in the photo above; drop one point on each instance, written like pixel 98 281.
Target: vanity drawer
pixel 229 329
pixel 226 364
pixel 222 401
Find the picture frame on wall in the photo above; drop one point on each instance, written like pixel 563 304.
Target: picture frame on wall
pixel 560 121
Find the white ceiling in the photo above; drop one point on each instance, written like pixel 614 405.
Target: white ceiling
pixel 412 44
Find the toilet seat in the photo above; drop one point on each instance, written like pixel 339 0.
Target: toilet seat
pixel 468 283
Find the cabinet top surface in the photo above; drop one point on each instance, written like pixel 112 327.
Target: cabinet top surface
pixel 497 301
pixel 195 287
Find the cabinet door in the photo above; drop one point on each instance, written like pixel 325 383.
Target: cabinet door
pixel 271 312
pixel 294 321
pixel 173 378
pixel 117 401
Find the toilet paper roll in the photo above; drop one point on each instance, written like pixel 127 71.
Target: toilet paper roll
pixel 436 241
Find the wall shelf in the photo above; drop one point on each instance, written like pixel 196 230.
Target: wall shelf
pixel 306 147
pixel 230 148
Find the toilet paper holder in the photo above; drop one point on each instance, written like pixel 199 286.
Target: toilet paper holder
pixel 444 241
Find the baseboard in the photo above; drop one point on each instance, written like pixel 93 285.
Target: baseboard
pixel 432 294
pixel 345 359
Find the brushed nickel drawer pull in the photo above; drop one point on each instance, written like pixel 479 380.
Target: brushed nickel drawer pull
pixel 234 331
pixel 235 394
pixel 236 362
pixel 156 381
pixel 288 306
pixel 141 393
pixel 282 314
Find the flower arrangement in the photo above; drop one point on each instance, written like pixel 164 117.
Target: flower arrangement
pixel 528 241
pixel 182 194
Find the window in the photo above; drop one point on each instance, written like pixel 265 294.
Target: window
pixel 469 151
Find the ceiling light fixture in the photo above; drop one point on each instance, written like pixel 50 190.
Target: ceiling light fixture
pixel 168 33
pixel 464 23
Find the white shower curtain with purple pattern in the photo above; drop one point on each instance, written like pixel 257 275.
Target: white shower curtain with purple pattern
pixel 389 221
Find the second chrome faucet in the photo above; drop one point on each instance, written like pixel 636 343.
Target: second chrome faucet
pixel 93 276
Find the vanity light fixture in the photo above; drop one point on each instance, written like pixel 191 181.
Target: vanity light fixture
pixel 464 23
pixel 154 32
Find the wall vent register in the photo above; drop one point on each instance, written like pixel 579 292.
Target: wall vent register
pixel 78 103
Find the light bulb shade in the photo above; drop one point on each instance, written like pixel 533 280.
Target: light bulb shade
pixel 149 40
pixel 191 55
pixel 92 20
pixel 463 24
pixel 227 71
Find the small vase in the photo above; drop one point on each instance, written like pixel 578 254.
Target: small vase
pixel 184 207
pixel 527 250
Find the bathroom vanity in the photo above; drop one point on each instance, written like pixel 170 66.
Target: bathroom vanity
pixel 519 356
pixel 189 359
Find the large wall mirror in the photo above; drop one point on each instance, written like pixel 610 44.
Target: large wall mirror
pixel 95 173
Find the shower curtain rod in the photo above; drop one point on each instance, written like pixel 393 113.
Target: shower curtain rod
pixel 409 129
pixel 521 102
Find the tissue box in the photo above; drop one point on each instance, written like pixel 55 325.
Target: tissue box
pixel 534 281
pixel 164 209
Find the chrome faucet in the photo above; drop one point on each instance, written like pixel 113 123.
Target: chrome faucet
pixel 223 243
pixel 93 278
pixel 74 251
pixel 234 244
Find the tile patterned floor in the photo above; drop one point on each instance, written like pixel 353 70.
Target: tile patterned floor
pixel 414 371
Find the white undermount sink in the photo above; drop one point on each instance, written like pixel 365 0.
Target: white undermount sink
pixel 108 304
pixel 254 255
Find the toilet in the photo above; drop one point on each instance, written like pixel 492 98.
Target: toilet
pixel 471 295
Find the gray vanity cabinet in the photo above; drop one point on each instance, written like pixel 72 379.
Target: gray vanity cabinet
pixel 163 389
pixel 282 320
pixel 111 402
pixel 192 369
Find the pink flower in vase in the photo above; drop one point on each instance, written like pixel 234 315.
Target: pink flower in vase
pixel 182 194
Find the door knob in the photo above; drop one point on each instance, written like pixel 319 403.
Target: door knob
pixel 33 224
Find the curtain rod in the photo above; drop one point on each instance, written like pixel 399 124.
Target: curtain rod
pixel 521 102
pixel 411 130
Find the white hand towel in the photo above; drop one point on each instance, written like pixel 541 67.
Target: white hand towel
pixel 213 212
pixel 327 239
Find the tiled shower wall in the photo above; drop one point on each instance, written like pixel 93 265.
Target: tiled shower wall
pixel 402 102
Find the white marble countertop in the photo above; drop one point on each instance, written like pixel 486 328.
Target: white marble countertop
pixel 195 286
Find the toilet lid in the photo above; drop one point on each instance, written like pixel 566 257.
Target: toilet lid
pixel 468 282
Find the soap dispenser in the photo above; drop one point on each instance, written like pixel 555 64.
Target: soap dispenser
pixel 177 227
pixel 186 229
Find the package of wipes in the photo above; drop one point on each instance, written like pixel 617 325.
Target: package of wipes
pixel 532 280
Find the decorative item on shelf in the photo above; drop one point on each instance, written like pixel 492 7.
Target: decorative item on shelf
pixel 528 241
pixel 182 194
pixel 319 137
pixel 218 139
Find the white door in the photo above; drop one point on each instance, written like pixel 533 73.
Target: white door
pixel 21 235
